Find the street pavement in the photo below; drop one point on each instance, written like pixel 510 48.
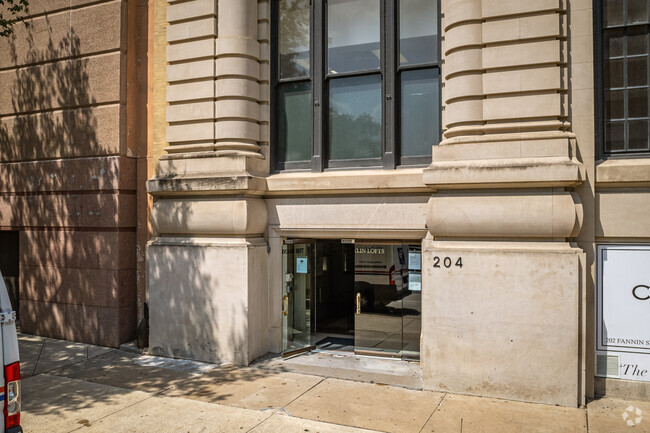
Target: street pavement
pixel 78 387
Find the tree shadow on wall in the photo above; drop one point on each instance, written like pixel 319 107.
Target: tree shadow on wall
pixel 64 273
pixel 188 282
pixel 51 103
pixel 47 114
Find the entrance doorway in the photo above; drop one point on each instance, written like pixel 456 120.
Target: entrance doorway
pixel 360 297
pixel 9 266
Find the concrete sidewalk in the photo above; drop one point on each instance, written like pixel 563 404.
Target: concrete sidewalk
pixel 70 386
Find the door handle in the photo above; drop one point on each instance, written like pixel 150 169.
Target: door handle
pixel 358 303
pixel 285 305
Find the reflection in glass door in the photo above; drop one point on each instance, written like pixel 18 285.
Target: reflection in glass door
pixel 387 299
pixel 298 259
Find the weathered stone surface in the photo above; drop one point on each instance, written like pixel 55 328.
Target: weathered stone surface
pixel 511 335
pixel 221 321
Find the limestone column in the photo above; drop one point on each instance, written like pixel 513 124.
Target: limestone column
pixel 463 71
pixel 237 87
pixel 503 282
pixel 207 260
pixel 190 93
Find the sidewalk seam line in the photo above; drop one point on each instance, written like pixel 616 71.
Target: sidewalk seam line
pixel 51 370
pixel 38 358
pixel 283 407
pixel 124 408
pixel 315 420
pixel 434 411
pixel 263 421
pixel 312 387
pixel 277 412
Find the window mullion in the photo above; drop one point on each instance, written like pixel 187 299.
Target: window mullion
pixel 389 34
pixel 317 40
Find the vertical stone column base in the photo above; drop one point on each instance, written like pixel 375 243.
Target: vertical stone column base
pixel 207 298
pixel 506 324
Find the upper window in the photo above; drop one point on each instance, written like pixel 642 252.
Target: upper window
pixel 356 83
pixel 625 26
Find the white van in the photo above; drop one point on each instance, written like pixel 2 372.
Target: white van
pixel 10 374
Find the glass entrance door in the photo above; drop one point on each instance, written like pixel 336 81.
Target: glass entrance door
pixel 298 268
pixel 387 299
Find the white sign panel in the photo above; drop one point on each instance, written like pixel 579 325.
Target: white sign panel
pixel 623 309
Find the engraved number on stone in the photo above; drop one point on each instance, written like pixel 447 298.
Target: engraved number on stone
pixel 446 262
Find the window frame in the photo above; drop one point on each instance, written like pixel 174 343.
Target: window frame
pixel 600 30
pixel 389 71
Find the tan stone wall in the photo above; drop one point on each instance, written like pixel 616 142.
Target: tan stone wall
pixel 515 181
pixel 580 71
pixel 68 146
pixel 159 80
pixel 506 176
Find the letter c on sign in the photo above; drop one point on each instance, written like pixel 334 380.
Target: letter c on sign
pixel 640 288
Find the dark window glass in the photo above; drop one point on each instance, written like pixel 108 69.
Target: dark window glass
pixel 615 104
pixel 356 83
pixel 637 103
pixel 613 13
pixel 418 30
pixel 637 71
pixel 614 45
pixel 625 70
pixel 295 122
pixel 638 134
pixel 355 117
pixel 614 136
pixel 294 38
pixel 637 11
pixel 614 74
pixel 419 116
pixel 352 35
pixel 636 44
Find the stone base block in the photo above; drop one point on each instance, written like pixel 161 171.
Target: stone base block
pixel 623 389
pixel 506 324
pixel 208 298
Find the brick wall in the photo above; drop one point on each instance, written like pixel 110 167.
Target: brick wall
pixel 68 169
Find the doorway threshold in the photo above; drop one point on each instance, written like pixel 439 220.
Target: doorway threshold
pixel 348 366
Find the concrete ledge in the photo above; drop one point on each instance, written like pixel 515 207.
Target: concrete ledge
pixel 515 160
pixel 627 389
pixel 346 181
pixel 614 173
pixel 512 173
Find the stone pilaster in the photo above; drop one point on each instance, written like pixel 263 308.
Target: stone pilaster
pixel 503 279
pixel 207 260
pixel 191 35
pixel 237 86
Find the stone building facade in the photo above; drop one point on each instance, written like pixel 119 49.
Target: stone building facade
pixel 450 182
pixel 73 136
pixel 501 225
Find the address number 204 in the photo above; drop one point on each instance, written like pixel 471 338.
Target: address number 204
pixel 447 262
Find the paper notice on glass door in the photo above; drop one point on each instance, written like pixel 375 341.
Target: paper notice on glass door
pixel 415 259
pixel 301 265
pixel 415 282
